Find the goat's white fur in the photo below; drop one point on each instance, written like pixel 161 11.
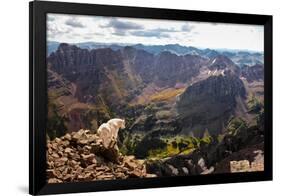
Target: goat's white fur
pixel 112 127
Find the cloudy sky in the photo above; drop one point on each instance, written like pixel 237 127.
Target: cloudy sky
pixel 75 29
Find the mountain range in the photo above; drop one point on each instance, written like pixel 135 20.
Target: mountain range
pixel 160 94
pixel 240 57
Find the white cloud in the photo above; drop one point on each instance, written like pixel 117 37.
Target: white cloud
pixel 75 28
pixel 119 24
pixel 74 22
pixel 187 27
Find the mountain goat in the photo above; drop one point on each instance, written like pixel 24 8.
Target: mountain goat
pixel 111 128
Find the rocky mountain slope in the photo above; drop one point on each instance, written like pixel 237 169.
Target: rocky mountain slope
pixel 253 73
pixel 208 105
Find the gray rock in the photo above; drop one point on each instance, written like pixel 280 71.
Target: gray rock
pixel 201 166
pixel 174 170
pixel 208 171
pixel 185 170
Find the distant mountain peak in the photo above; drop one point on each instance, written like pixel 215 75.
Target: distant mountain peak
pixel 239 57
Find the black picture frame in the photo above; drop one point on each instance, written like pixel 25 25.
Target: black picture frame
pixel 38 96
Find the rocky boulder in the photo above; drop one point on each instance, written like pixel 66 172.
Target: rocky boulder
pixel 82 156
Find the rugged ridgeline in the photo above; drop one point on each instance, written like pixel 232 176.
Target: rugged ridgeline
pixel 83 156
pixel 172 103
pixel 129 64
pixel 239 57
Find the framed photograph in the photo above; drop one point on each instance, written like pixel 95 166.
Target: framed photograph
pixel 130 97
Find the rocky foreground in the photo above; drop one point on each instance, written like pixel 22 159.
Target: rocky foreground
pixel 83 156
